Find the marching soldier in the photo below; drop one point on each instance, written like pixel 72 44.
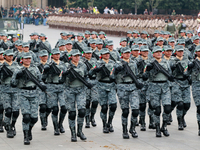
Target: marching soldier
pixel 135 49
pixel 123 43
pixel 87 37
pixel 102 36
pixel 114 54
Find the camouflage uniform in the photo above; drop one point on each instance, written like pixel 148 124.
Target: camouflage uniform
pixel 107 92
pixel 180 92
pixel 114 53
pixel 10 99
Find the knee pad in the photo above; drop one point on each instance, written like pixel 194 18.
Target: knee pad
pixel 142 107
pixel 34 120
pixel 26 118
pixel 150 106
pixel 81 113
pixel 87 104
pixel 94 104
pixel 113 107
pixel 167 109
pixel 48 110
pixel 173 105
pixel 72 115
pixel 186 106
pixel 125 112
pixel 15 114
pixel 104 109
pixel 180 106
pixel 135 112
pixel 63 109
pixel 157 111
pixel 198 109
pixel 1 109
pixel 8 112
pixel 55 110
pixel 43 108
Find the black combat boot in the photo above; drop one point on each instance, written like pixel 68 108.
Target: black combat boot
pixel 26 138
pixel 151 123
pixel 80 133
pixel 132 130
pixel 1 126
pixel 143 124
pixel 92 120
pixel 199 127
pixel 158 132
pixel 43 123
pixel 60 124
pixel 13 127
pixel 164 129
pixel 73 134
pixel 30 133
pixel 184 123
pixel 87 122
pixel 9 131
pixel 110 127
pixel 170 120
pixel 55 125
pixel 180 123
pixel 105 128
pixel 125 131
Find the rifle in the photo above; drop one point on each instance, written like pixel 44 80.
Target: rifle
pixel 88 65
pixel 4 46
pixel 6 72
pixel 76 46
pixel 32 78
pixel 95 55
pixel 41 67
pixel 64 58
pixel 130 73
pixel 32 44
pixel 43 46
pixel 181 70
pixel 197 64
pixel 111 57
pixel 104 71
pixel 141 65
pixel 56 70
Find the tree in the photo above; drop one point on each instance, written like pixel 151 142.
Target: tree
pixel 154 4
pixel 137 4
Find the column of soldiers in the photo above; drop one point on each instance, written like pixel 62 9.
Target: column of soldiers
pixel 78 75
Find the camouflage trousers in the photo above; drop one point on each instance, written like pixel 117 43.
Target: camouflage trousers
pixel 181 94
pixel 196 95
pixel 76 98
pixel 128 95
pixel 10 101
pixel 29 105
pixel 159 93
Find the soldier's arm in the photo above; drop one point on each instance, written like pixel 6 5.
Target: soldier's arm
pixel 14 81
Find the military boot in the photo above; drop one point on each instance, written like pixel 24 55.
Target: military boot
pixel 164 129
pixel 30 133
pixel 137 124
pixel 60 124
pixel 80 133
pixel 26 138
pixel 125 131
pixel 92 120
pixel 170 120
pixel 132 130
pixel 158 132
pixel 184 123
pixel 9 131
pixel 1 126
pixel 105 128
pixel 13 127
pixel 180 123
pixel 110 127
pixel 73 134
pixel 151 123
pixel 56 131
pixel 199 127
pixel 43 123
pixel 143 124
pixel 87 121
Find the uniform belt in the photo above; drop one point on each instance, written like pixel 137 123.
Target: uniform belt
pixel 29 88
pixel 127 82
pixel 105 81
pixel 159 81
pixel 182 79
pixel 55 83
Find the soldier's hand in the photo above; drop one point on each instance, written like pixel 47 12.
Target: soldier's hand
pixel 46 68
pixel 173 67
pixel 190 65
pixel 118 69
pixel 43 88
pixel 171 78
pixel 149 67
pixel 19 74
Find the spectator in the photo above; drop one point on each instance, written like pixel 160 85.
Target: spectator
pixel 173 13
pixel 112 11
pixel 106 10
pixel 146 12
pixel 121 12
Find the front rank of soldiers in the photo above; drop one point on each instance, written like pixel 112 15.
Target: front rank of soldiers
pixel 78 75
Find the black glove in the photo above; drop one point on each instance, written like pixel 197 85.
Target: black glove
pixel 171 78
pixel 118 69
pixel 19 74
pixel 190 65
pixel 46 68
pixel 149 67
pixel 145 77
pixel 43 88
pixel 173 67
pixel 35 50
pixel 65 73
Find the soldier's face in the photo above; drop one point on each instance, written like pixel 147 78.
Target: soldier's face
pixel 179 53
pixel 62 48
pixel 143 36
pixel 68 46
pixel 20 47
pixel 4 37
pixel 135 34
pixel 123 43
pixel 79 38
pixel 166 36
pixel 168 53
pixel 198 54
pixel 160 43
pixel 157 55
pixel 93 45
pixel 76 58
pixel 56 56
pixel 110 47
pixel 25 49
pixel 182 33
pixel 171 44
pixel 126 55
pixel 101 36
pixel 196 41
pixel 156 34
pixel 99 46
pixel 135 53
pixel 189 35
pixel 26 61
pixel 42 38
pixel 44 58
pixel 88 55
pixel 129 35
pixel 9 58
pixel 64 37
pixel 106 56
pixel 94 36
pixel 36 36
pixel 144 53
pixel 15 39
pixel 87 35
pixel 32 37
pixel 1 57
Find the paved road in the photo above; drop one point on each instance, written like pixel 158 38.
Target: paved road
pixel 45 140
